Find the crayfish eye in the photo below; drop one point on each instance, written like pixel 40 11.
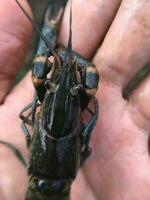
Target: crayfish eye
pixel 50 86
pixel 75 90
pixel 47 84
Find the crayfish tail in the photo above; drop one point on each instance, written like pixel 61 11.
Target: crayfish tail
pixel 41 189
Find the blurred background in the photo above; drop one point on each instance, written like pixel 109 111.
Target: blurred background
pixel 38 8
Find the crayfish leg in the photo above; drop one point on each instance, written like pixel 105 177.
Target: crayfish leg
pixel 16 152
pixel 86 133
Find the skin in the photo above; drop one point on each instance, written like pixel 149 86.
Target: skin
pixel 119 167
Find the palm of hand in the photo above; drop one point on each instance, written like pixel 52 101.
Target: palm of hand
pixel 119 165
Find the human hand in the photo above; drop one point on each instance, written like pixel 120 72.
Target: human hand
pixel 119 165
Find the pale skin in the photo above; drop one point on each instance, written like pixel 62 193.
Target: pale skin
pixel 119 167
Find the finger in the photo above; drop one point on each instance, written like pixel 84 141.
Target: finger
pixel 15 31
pixel 90 22
pixel 139 105
pixel 126 47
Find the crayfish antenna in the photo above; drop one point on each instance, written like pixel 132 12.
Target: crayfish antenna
pixel 34 25
pixel 68 56
pixel 70 28
pixel 16 152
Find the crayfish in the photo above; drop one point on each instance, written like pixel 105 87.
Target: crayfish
pixel 64 83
